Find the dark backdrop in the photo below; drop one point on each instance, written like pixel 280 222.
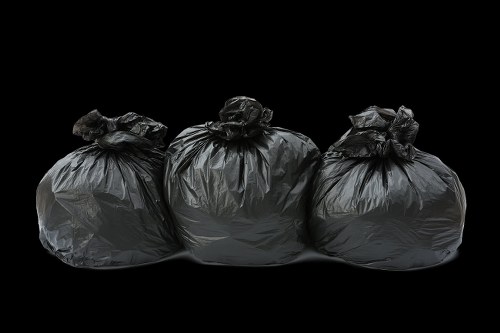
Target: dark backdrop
pixel 312 83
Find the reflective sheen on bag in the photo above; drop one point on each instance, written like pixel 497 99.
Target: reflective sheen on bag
pixel 379 202
pixel 102 205
pixel 238 188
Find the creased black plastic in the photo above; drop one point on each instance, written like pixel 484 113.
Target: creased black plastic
pixel 94 125
pixel 102 205
pixel 241 117
pixel 380 132
pixel 240 199
pixel 379 202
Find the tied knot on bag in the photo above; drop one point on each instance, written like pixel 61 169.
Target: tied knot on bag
pixel 94 125
pixel 134 128
pixel 379 132
pixel 241 117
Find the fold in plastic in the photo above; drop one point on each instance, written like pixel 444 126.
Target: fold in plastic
pixel 240 199
pixel 102 205
pixel 379 202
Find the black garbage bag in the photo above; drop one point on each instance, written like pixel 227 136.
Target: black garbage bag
pixel 102 205
pixel 238 188
pixel 380 202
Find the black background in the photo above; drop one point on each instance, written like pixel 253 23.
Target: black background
pixel 311 78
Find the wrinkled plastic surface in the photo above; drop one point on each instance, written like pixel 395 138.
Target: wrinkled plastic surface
pixel 238 188
pixel 102 205
pixel 380 202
